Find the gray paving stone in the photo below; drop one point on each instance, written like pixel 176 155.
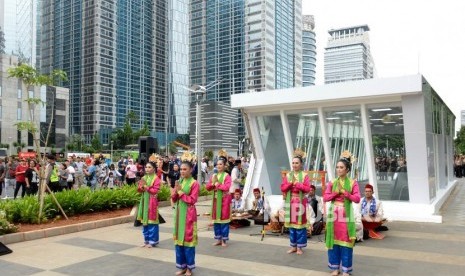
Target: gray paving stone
pixel 97 244
pixel 122 265
pixel 12 269
pixel 392 256
pixel 426 245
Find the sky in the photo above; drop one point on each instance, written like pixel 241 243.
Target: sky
pixel 407 37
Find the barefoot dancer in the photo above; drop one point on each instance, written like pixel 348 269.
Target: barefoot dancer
pixel 294 186
pixel 184 196
pixel 221 207
pixel 340 222
pixel 147 214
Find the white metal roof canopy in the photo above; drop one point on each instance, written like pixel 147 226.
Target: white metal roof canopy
pixel 284 108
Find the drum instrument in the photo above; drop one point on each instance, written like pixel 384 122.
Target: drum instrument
pixel 371 226
pixel 276 227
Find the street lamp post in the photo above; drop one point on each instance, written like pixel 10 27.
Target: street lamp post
pixel 199 92
pixel 111 151
pixel 198 135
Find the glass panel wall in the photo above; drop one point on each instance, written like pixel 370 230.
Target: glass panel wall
pixel 346 133
pixel 388 139
pixel 274 149
pixel 306 135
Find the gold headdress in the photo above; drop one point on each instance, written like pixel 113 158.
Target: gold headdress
pixel 187 156
pixel 348 156
pixel 299 153
pixel 154 157
pixel 222 153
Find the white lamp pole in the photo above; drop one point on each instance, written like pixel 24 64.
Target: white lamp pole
pixel 198 142
pixel 199 91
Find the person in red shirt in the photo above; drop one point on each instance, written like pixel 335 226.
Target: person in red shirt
pixel 21 177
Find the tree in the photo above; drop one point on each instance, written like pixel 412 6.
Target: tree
pixel 126 135
pixel 7 146
pixel 2 41
pixel 30 76
pixel 19 146
pixel 96 143
pixel 209 154
pixel 75 142
pixel 183 139
pixel 459 141
pixel 172 148
pixel 144 131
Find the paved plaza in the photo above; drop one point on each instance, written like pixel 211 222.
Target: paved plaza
pixel 408 249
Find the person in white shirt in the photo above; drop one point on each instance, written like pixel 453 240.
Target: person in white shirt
pixel 372 213
pixel 110 180
pixel 71 174
pixel 237 203
pixel 79 172
pixel 238 208
pixel 116 175
pixel 236 176
pixel 204 168
pixel 371 208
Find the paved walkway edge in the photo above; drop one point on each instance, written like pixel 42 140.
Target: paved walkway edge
pixel 68 229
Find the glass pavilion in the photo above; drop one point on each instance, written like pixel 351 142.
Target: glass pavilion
pixel 399 129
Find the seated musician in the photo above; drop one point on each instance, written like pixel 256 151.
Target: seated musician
pixel 237 203
pixel 371 210
pixel 277 217
pixel 238 218
pixel 257 205
pixel 315 203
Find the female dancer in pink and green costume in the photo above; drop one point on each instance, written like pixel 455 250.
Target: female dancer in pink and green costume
pixel 184 196
pixel 221 207
pixel 340 223
pixel 148 207
pixel 295 185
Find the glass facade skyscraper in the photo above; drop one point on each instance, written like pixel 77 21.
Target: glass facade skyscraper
pixel 178 67
pixel 225 48
pixel 134 52
pixel 8 24
pixel 19 22
pixel 308 51
pixel 252 45
pixel 61 47
pixel 273 54
pixel 285 41
pixel 119 56
pixel 348 56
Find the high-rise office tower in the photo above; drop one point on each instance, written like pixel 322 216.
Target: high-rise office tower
pixel 136 90
pixel 19 22
pixel 79 37
pixel 348 56
pixel 308 51
pixel 217 46
pixel 251 45
pixel 178 67
pixel 8 24
pixel 119 56
pixel 273 44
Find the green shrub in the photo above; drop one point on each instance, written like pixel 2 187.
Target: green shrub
pixel 204 191
pixel 6 227
pixel 73 202
pixel 164 193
